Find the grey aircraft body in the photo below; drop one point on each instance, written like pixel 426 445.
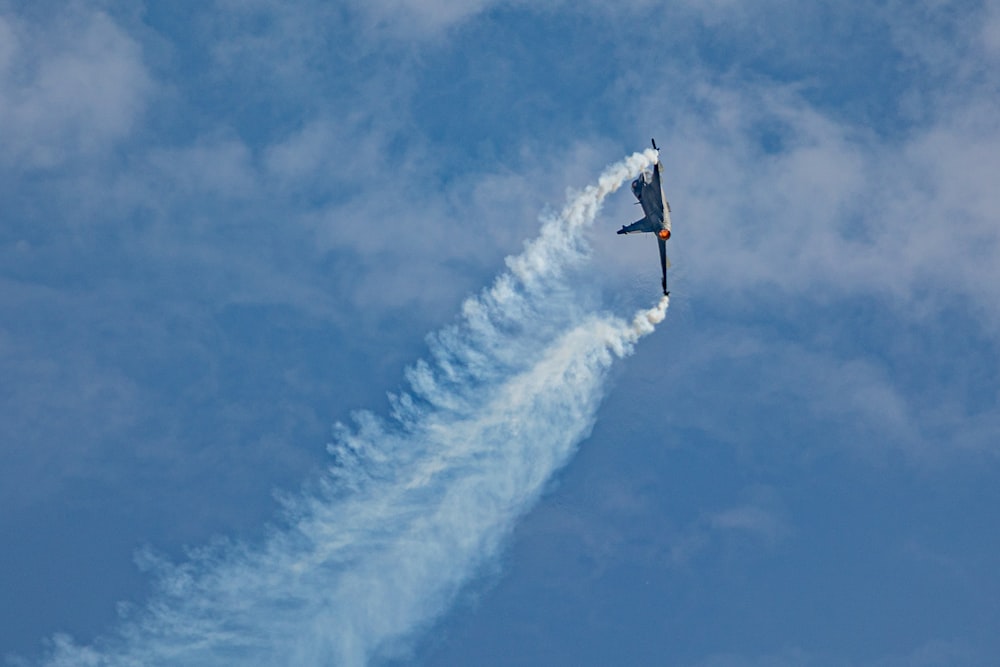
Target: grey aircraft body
pixel 656 212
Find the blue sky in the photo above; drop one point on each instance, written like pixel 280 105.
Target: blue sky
pixel 227 226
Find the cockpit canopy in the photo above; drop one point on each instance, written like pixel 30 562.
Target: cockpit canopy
pixel 637 187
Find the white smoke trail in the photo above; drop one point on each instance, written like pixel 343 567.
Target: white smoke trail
pixel 416 503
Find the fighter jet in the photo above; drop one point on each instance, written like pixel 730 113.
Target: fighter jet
pixel 656 208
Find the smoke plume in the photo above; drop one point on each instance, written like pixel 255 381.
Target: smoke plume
pixel 416 502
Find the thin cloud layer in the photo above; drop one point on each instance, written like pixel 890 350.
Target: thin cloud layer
pixel 67 90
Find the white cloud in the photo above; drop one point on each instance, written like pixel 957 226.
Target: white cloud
pixel 749 519
pixel 421 18
pixel 70 88
pixel 990 34
pixel 308 152
pixel 930 653
pixel 759 522
pixel 222 169
pixel 837 209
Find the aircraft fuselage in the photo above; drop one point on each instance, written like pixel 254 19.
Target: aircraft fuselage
pixel 656 213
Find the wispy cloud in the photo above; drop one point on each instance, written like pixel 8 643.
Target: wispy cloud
pixel 69 89
pixel 932 653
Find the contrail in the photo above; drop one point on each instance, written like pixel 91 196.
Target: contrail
pixel 415 503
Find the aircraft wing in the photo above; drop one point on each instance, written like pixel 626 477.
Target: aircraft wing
pixel 655 203
pixel 657 170
pixel 643 225
pixel 664 264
